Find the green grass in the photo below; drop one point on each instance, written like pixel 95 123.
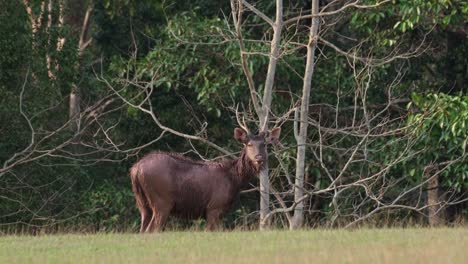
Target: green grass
pixel 313 246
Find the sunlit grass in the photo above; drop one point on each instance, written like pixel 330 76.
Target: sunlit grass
pixel 312 246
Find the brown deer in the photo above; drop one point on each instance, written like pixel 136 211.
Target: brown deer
pixel 170 184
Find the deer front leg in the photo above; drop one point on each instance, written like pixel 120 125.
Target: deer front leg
pixel 213 217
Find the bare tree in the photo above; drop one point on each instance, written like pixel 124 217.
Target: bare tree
pixel 359 187
pixel 433 202
pixel 263 110
pixel 301 124
pixel 369 124
pixel 80 23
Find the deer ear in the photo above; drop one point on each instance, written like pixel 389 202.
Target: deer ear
pixel 240 135
pixel 273 135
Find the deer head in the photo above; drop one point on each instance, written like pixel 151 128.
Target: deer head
pixel 255 146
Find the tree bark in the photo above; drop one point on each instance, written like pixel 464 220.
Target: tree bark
pixel 264 111
pixel 266 106
pixel 74 110
pixel 78 17
pixel 433 203
pixel 301 135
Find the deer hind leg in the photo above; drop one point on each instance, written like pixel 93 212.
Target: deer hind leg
pixel 143 205
pixel 157 223
pixel 213 218
pixel 160 215
pixel 146 216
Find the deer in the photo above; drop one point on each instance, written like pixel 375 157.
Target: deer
pixel 170 184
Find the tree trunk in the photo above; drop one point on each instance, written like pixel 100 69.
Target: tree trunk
pixel 74 110
pixel 266 106
pixel 301 135
pixel 264 198
pixel 433 203
pixel 78 16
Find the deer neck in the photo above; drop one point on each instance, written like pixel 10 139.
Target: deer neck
pixel 243 169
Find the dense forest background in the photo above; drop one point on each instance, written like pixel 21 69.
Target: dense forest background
pixel 88 87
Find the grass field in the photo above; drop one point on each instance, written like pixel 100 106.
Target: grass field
pixel 314 246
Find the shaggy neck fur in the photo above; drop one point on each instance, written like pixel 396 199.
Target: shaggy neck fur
pixel 243 169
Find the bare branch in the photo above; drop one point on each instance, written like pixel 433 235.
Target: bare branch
pixel 258 13
pixel 82 44
pixel 274 56
pixel 237 11
pixel 322 13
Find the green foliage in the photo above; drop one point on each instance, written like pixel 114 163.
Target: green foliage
pixel 15 43
pixel 443 12
pixel 435 26
pixel 15 56
pixel 409 14
pixel 440 125
pixel 122 25
pixel 192 55
pixel 110 207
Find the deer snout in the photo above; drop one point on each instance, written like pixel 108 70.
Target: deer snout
pixel 259 159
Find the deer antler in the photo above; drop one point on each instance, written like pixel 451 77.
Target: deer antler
pixel 242 125
pixel 265 123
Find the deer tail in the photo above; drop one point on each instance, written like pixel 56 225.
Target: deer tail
pixel 138 191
